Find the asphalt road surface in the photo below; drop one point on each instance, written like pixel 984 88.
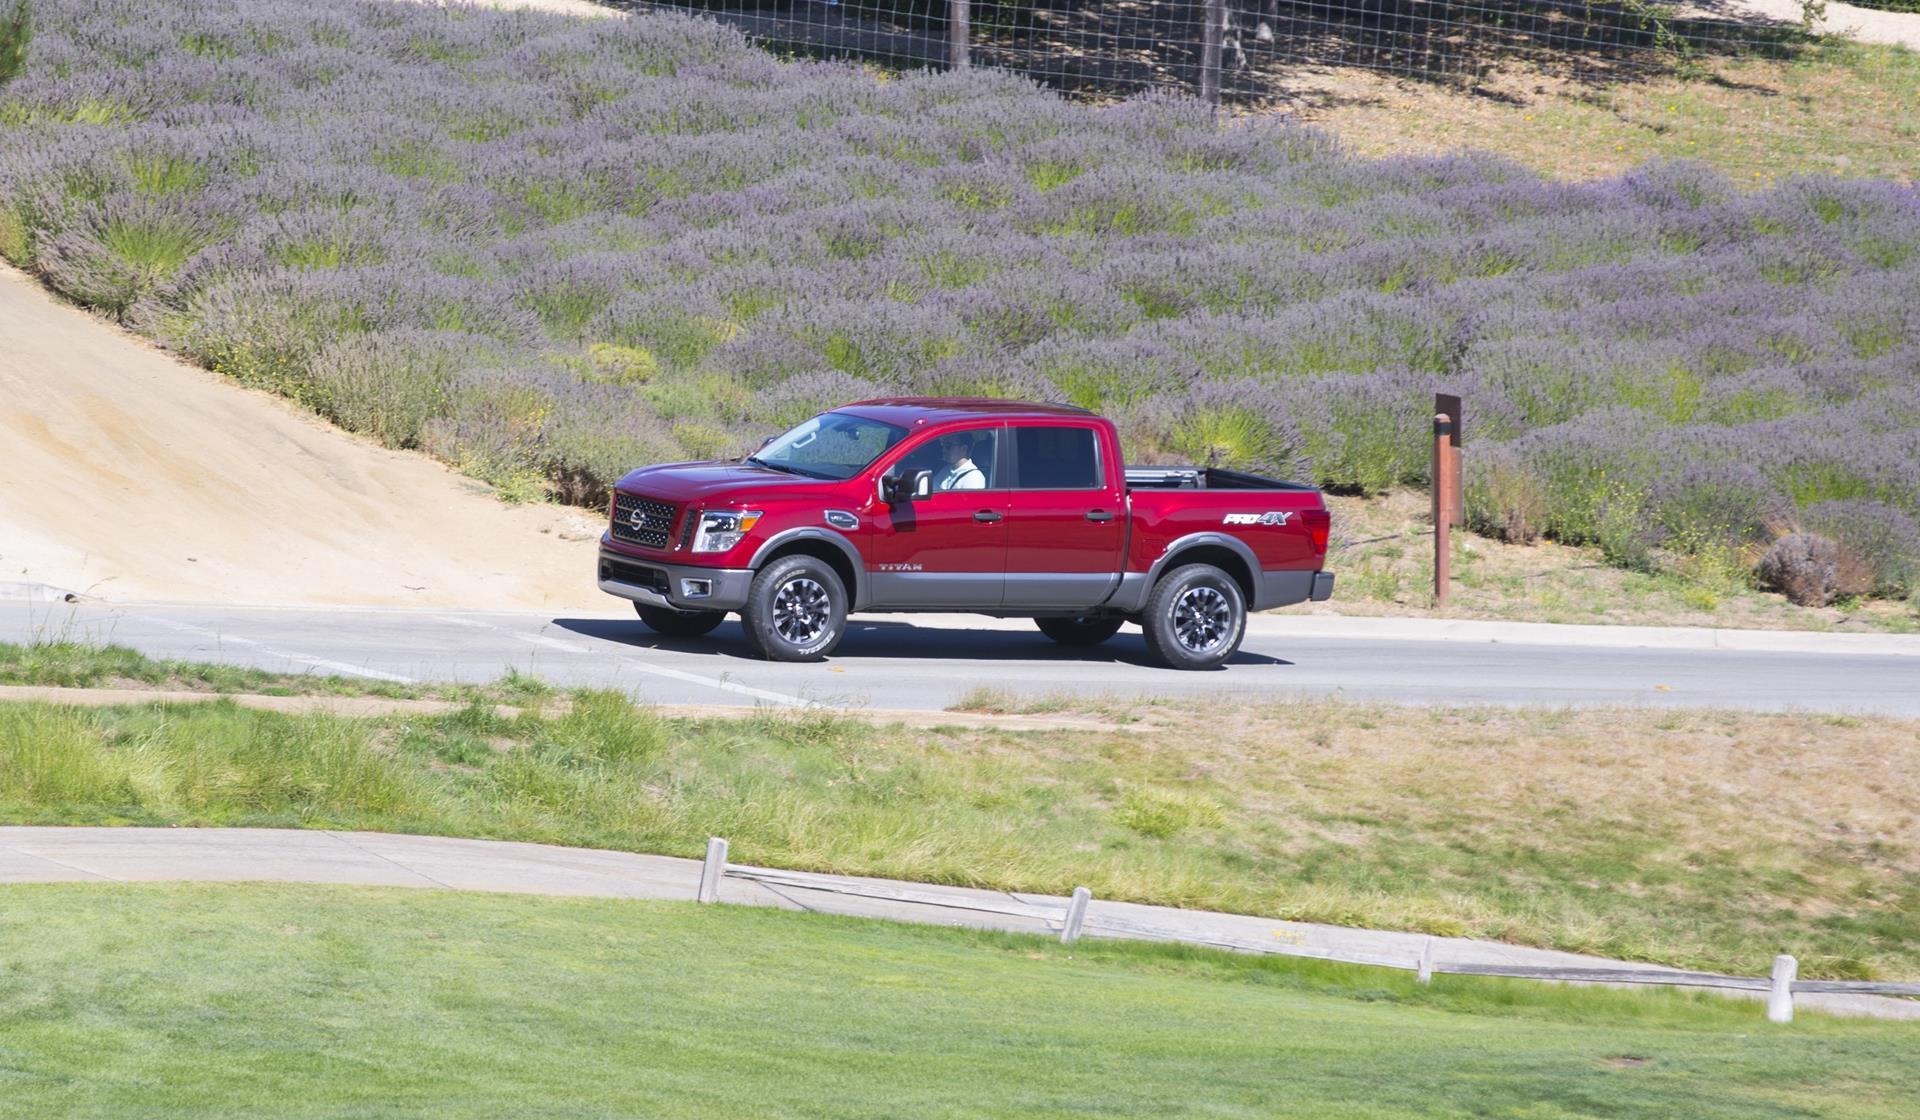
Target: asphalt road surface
pixel 930 662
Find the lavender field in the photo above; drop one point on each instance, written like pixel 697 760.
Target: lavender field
pixel 548 250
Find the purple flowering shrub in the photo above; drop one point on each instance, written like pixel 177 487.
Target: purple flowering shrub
pixel 547 250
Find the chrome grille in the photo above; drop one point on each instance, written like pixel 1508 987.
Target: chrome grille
pixel 642 521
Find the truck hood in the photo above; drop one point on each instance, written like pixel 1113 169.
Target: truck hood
pixel 718 481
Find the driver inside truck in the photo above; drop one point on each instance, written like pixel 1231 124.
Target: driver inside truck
pixel 961 474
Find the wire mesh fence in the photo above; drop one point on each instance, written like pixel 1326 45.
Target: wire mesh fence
pixel 1242 51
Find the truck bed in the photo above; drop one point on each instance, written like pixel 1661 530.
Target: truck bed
pixel 1202 478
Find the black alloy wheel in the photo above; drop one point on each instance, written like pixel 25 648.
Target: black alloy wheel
pixel 796 610
pixel 1195 618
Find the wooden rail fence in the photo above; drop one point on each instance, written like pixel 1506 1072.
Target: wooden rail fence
pixel 1073 921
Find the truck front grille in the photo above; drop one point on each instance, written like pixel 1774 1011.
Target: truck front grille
pixel 642 521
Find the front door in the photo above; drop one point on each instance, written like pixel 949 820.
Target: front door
pixel 950 548
pixel 1066 530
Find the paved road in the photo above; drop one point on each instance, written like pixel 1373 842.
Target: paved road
pixel 107 855
pixel 929 662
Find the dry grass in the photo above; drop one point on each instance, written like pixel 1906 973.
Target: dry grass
pixel 1841 107
pixel 1382 554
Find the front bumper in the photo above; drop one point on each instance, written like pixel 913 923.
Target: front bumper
pixel 680 587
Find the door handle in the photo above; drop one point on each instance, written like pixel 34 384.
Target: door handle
pixel 986 515
pixel 1099 515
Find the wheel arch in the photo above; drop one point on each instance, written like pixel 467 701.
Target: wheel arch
pixel 1230 554
pixel 823 544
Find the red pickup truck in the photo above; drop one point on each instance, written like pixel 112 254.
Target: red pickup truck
pixel 982 506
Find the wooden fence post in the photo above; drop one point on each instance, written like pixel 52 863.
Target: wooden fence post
pixel 1780 995
pixel 960 30
pixel 1445 482
pixel 1425 973
pixel 711 870
pixel 1213 30
pixel 1076 915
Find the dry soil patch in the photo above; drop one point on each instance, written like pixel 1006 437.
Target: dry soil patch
pixel 129 474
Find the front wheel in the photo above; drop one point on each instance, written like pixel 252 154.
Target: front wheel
pixel 1078 631
pixel 796 610
pixel 1195 617
pixel 669 623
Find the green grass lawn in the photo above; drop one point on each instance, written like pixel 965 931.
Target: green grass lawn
pixel 203 1001
pixel 1622 833
pixel 64 664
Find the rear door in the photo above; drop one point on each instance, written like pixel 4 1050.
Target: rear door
pixel 949 550
pixel 1066 522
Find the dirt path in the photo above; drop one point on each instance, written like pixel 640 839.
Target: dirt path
pixel 127 474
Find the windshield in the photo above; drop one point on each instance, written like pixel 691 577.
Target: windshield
pixel 832 445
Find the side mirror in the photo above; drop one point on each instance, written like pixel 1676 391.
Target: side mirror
pixel 895 489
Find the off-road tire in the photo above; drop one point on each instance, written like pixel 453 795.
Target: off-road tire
pixel 669 623
pixel 1078 631
pixel 796 610
pixel 1195 617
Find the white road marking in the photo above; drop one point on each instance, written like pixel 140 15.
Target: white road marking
pixel 316 662
pixel 639 666
pixel 550 643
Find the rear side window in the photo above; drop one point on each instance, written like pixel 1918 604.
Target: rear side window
pixel 1055 458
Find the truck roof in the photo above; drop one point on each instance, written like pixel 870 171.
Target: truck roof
pixel 908 411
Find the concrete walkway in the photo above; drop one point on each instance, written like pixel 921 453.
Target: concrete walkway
pixel 114 855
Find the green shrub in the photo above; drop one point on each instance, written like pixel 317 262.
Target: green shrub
pixel 1504 498
pixel 1233 435
pixel 388 385
pixel 16 30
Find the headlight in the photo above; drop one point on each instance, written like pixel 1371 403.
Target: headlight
pixel 721 529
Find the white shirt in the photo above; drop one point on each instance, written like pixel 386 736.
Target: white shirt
pixel 963 476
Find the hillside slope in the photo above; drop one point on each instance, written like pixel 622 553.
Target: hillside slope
pixel 131 475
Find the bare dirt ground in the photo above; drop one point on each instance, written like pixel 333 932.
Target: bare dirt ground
pixel 128 474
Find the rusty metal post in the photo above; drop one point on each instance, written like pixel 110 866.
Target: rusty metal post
pixel 1213 32
pixel 1459 483
pixel 960 28
pixel 1450 404
pixel 1445 482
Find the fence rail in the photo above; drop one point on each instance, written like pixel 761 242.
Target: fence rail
pixel 1074 920
pixel 1251 51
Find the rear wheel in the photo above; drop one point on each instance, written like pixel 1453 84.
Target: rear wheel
pixel 670 623
pixel 1195 617
pixel 1078 631
pixel 796 610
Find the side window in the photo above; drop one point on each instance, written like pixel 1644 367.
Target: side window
pixel 1056 458
pixel 963 460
